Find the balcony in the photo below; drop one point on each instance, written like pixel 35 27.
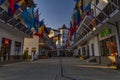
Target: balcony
pixel 91 24
pixel 16 22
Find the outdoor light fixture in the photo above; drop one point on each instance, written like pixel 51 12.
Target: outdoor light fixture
pixel 106 1
pixel 94 28
pixel 41 43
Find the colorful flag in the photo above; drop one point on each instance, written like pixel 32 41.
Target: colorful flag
pixel 12 7
pixel 76 20
pixel 41 22
pixel 41 29
pixel 28 16
pixel 2 1
pixel 20 2
pixel 71 31
pixel 87 9
pixel 79 7
pixel 51 38
pixel 25 15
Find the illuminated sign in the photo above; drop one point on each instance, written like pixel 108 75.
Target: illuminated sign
pixel 106 32
pixel 6 41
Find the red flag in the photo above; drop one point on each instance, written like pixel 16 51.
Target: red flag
pixel 37 34
pixel 75 25
pixel 11 6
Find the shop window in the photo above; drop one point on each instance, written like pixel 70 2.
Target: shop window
pixel 108 46
pixel 17 47
pixel 5 49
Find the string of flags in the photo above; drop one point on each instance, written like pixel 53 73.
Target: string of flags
pixel 30 16
pixel 78 16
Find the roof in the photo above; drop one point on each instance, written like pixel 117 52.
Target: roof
pixel 64 27
pixel 55 30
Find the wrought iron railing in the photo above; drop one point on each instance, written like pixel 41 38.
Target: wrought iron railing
pixel 108 10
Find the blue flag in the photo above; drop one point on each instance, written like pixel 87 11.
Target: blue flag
pixel 28 16
pixel 87 8
pixel 41 22
pixel 2 1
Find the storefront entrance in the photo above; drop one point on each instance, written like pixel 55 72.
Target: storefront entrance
pixel 109 48
pixel 5 49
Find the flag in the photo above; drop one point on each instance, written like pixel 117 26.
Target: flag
pixel 36 21
pixel 28 16
pixel 51 38
pixel 36 13
pixel 41 22
pixel 41 30
pixel 2 1
pixel 45 29
pixel 79 6
pixel 71 31
pixel 13 6
pixel 79 18
pixel 87 9
pixel 11 9
pixel 20 2
pixel 76 21
pixel 25 15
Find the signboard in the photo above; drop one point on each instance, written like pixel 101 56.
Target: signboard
pixel 6 41
pixel 105 33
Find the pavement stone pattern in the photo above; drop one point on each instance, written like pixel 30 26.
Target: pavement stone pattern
pixel 65 68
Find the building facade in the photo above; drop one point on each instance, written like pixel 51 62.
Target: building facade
pixel 32 45
pixel 12 34
pixel 64 36
pixel 99 32
pixel 64 41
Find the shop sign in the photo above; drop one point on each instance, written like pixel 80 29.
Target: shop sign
pixel 105 33
pixel 6 41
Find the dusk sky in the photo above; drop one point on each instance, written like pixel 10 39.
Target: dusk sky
pixel 55 12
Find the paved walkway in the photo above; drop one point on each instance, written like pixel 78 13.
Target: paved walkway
pixel 58 69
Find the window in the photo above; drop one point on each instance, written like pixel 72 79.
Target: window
pixel 92 48
pixel 88 51
pixel 108 46
pixel 84 51
pixel 79 51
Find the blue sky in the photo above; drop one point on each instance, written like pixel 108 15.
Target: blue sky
pixel 55 12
